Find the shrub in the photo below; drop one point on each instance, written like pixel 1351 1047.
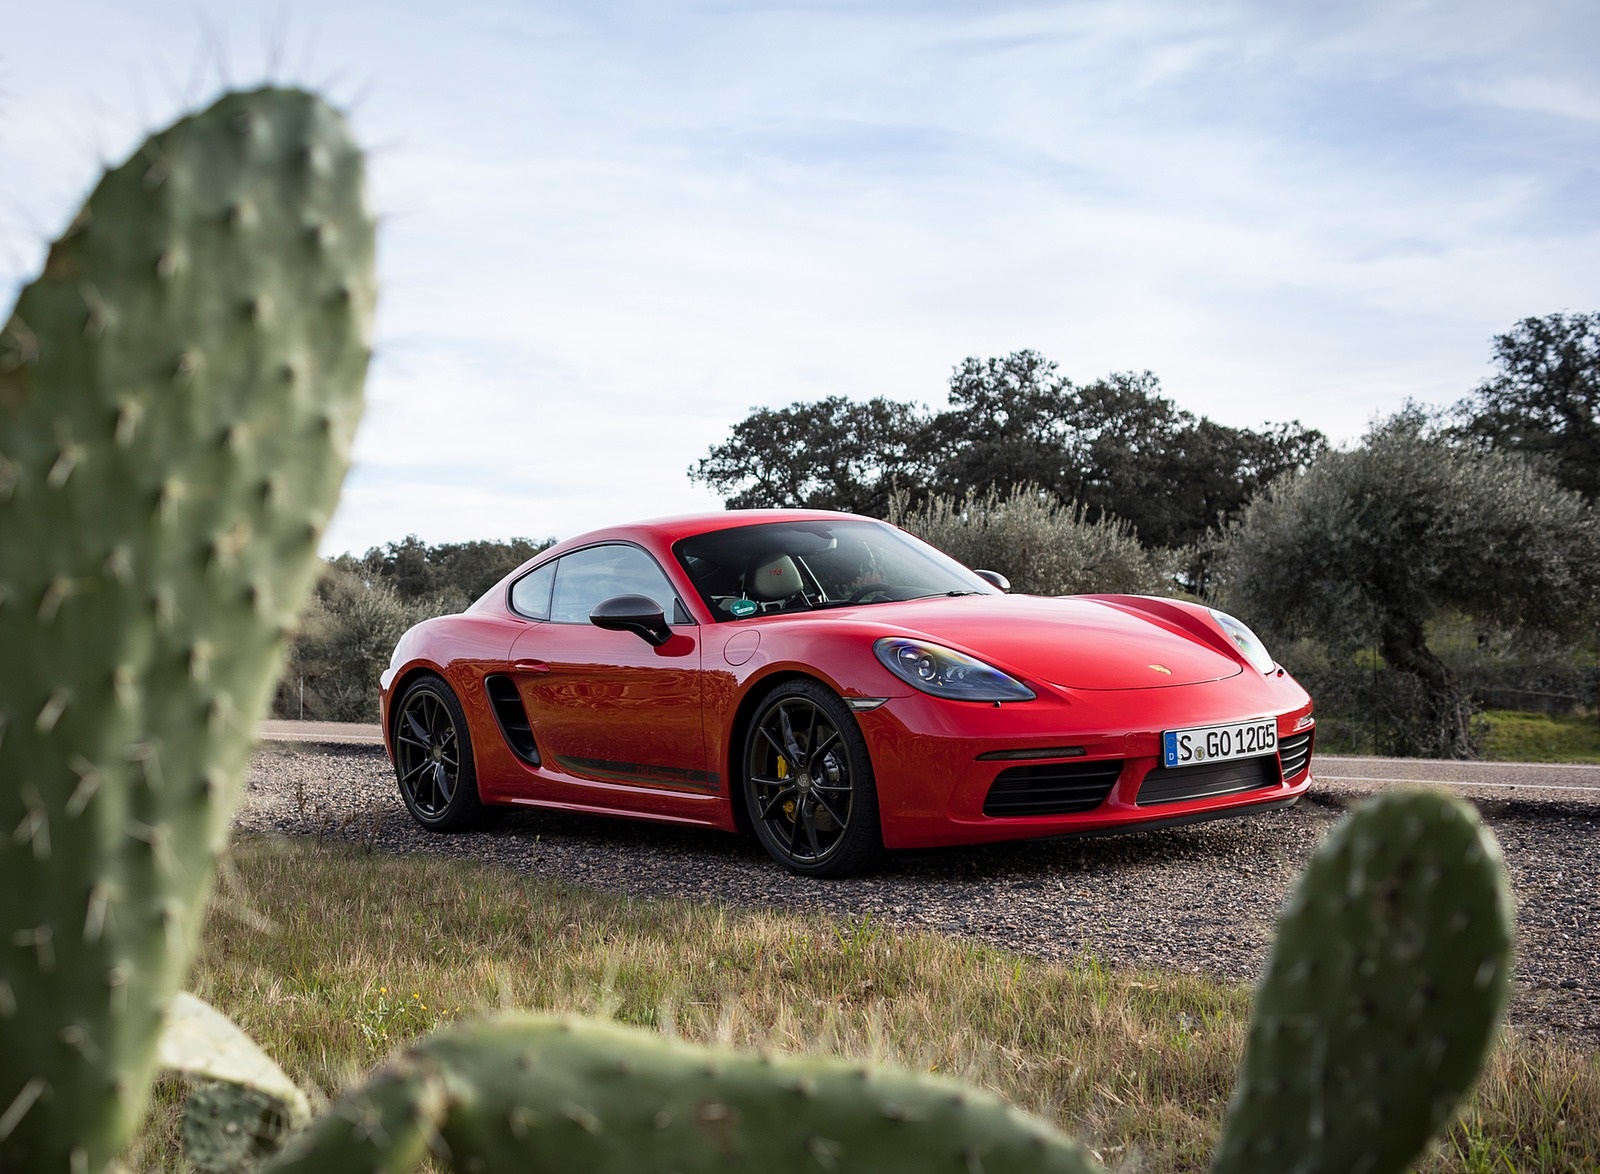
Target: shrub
pixel 346 635
pixel 1044 546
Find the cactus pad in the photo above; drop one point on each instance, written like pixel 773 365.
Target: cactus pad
pixel 536 1094
pixel 229 1128
pixel 1387 977
pixel 178 391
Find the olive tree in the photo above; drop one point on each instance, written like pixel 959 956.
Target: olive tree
pixel 1368 546
pixel 343 641
pixel 1044 546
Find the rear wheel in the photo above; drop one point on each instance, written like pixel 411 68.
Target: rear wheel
pixel 808 783
pixel 433 758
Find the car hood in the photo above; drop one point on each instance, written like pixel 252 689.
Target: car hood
pixel 1076 642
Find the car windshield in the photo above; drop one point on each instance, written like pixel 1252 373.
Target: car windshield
pixel 804 565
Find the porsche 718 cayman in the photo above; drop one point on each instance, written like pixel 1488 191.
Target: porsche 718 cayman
pixel 837 687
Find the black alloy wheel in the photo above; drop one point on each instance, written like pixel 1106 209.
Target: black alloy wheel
pixel 808 783
pixel 433 758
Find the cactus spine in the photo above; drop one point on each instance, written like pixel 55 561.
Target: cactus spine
pixel 178 390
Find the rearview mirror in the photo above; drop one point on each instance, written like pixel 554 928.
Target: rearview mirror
pixel 638 614
pixel 994 579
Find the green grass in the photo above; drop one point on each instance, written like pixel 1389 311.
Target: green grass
pixel 332 959
pixel 1537 737
pixel 1511 736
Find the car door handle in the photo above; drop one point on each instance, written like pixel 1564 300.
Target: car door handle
pixel 529 666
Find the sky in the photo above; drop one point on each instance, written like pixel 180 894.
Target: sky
pixel 610 230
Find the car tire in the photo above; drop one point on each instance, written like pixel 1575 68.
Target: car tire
pixel 808 783
pixel 433 762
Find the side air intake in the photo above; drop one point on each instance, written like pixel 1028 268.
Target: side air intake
pixel 512 718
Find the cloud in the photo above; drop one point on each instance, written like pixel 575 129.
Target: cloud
pixel 612 230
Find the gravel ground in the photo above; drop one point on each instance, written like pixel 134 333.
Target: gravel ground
pixel 1201 898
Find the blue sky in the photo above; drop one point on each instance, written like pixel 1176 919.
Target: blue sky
pixel 612 229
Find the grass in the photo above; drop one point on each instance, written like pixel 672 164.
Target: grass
pixel 1538 737
pixel 332 959
pixel 1511 736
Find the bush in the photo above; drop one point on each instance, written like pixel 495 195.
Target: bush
pixel 1044 546
pixel 344 641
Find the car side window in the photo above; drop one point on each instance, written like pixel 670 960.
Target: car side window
pixel 530 595
pixel 587 577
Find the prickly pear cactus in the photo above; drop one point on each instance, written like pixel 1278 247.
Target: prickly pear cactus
pixel 1388 975
pixel 178 391
pixel 230 1127
pixel 546 1094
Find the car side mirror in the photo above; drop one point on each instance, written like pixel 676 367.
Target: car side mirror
pixel 994 579
pixel 638 614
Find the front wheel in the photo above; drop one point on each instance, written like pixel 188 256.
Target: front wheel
pixel 808 783
pixel 433 758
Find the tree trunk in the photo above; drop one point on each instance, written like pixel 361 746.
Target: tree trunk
pixel 1446 713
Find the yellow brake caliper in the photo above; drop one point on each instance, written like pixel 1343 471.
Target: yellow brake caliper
pixel 783 773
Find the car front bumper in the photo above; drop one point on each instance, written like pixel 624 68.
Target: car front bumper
pixel 1075 763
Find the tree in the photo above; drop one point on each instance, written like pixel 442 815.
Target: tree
pixel 1368 546
pixel 1005 426
pixel 1544 401
pixel 1116 446
pixel 834 454
pixel 451 573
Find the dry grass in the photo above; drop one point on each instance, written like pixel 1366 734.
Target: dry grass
pixel 333 959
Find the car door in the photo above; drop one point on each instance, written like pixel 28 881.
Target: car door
pixel 617 719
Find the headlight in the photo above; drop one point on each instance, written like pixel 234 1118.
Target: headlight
pixel 944 672
pixel 1249 643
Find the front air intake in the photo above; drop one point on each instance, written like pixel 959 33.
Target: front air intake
pixel 512 718
pixel 1295 755
pixel 1054 788
pixel 1208 781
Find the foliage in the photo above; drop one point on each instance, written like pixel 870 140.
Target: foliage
pixel 363 604
pixel 1369 546
pixel 1115 446
pixel 452 574
pixel 343 642
pixel 1043 546
pixel 834 454
pixel 1544 399
pixel 1363 707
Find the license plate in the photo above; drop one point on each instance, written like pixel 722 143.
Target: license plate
pixel 1219 743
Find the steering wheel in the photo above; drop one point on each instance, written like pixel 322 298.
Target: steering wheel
pixel 860 594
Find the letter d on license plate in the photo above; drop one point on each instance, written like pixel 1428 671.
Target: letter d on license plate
pixel 1200 744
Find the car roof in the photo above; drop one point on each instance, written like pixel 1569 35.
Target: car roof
pixel 673 529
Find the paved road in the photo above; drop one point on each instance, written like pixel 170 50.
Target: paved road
pixel 1532 781
pixel 344 733
pixel 1487 780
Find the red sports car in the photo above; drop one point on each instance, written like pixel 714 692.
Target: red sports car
pixel 838 687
